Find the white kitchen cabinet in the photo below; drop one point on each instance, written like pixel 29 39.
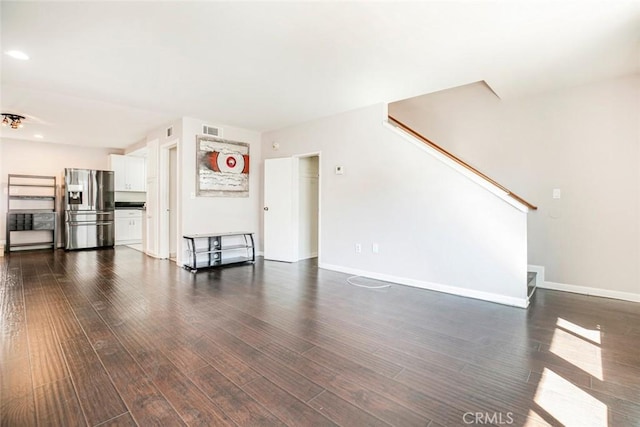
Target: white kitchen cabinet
pixel 128 226
pixel 130 172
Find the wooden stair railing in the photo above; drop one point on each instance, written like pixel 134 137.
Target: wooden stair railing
pixel 459 161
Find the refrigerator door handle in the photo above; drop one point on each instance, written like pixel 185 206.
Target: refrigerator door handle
pixel 92 201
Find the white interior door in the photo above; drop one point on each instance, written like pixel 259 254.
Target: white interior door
pixel 278 210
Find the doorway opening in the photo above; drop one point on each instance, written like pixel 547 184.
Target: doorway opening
pixel 168 201
pixel 292 208
pixel 308 206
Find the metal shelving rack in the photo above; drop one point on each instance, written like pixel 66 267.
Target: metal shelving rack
pixel 216 249
pixel 31 192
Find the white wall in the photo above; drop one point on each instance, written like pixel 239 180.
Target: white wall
pixel 217 214
pixel 584 141
pixel 41 158
pixel 435 228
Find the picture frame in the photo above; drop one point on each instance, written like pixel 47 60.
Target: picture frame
pixel 222 167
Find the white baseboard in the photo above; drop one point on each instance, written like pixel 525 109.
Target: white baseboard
pixel 308 256
pixel 128 242
pixel 542 283
pixel 469 293
pixel 586 290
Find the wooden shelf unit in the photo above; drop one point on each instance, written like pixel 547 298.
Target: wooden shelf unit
pixel 31 192
pixel 216 249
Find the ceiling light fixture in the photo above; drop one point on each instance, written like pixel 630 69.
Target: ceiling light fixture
pixel 12 120
pixel 17 54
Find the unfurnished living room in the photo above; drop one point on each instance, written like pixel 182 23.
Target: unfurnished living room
pixel 311 213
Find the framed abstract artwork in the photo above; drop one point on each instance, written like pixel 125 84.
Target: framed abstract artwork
pixel 222 168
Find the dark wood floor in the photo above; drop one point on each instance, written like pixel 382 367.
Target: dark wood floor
pixel 116 338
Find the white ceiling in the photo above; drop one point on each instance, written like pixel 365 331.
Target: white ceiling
pixel 107 73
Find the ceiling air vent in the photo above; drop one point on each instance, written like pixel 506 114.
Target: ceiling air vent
pixel 211 130
pixel 169 132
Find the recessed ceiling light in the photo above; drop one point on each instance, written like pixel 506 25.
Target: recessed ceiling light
pixel 37 135
pixel 17 54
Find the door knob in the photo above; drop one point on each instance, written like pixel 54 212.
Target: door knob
pixel 266 208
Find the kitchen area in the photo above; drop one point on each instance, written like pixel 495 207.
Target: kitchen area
pixel 77 208
pixel 130 198
pixel 105 208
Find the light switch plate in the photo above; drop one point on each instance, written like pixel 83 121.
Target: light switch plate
pixel 556 193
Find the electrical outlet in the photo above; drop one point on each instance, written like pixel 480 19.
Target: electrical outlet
pixel 358 248
pixel 375 248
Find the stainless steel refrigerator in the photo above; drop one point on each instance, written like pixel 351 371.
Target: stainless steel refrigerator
pixel 89 208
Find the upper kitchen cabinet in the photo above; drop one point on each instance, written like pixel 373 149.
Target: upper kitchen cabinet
pixel 130 172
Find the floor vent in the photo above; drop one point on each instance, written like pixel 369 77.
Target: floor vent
pixel 211 130
pixel 531 283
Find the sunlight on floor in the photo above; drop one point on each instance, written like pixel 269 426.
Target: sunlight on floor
pixel 592 335
pixel 561 399
pixel 532 419
pixel 568 404
pixel 578 352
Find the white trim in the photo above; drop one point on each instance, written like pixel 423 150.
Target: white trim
pixel 542 283
pixel 469 293
pixel 586 290
pixel 163 238
pixel 385 112
pixel 154 255
pixel 457 167
pixel 128 242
